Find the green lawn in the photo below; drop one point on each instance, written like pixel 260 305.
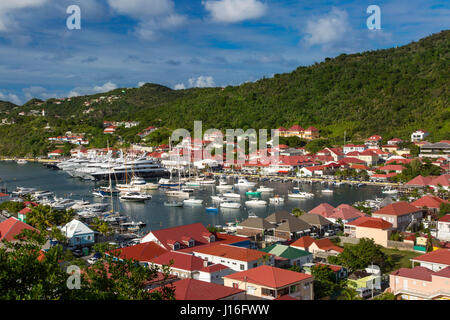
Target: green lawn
pixel 400 258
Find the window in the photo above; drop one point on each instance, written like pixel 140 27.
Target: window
pixel 235 285
pixel 242 267
pixel 255 265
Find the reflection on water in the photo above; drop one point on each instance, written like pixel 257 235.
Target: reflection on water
pixel 157 216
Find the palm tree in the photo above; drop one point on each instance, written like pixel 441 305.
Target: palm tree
pixel 349 294
pixel 298 212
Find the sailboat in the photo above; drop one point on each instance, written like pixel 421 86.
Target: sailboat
pixel 178 193
pixel 297 194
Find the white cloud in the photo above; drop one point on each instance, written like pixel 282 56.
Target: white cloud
pixel 7 7
pixel 202 82
pixel 153 15
pixel 106 87
pixel 328 29
pixel 141 83
pixel 180 86
pixel 231 11
pixel 81 91
pixel 11 98
pixel 199 82
pixel 140 9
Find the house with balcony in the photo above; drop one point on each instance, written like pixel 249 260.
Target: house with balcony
pixel 420 283
pixel 235 258
pixel 373 141
pixel 269 283
pixel 353 147
pixel 443 228
pixel 376 229
pixel 192 289
pixel 400 214
pixel 188 266
pixel 419 135
pixel 435 150
pixel 435 260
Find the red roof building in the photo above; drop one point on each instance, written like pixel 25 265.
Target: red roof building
pixel 191 289
pixel 401 214
pixel 270 283
pixel 369 222
pixel 142 252
pixel 435 260
pixel 12 227
pixel 429 201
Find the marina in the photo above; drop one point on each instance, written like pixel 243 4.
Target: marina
pixel 162 211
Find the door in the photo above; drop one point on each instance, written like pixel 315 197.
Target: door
pixel 405 284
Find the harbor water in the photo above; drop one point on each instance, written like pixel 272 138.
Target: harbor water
pixel 157 216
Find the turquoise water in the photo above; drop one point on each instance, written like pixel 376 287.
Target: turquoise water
pixel 156 215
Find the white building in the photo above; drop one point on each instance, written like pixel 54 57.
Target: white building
pixel 78 233
pixel 353 147
pixel 419 135
pixel 443 228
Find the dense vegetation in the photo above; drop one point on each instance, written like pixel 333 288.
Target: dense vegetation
pixel 390 92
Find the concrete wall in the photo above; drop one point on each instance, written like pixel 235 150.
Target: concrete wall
pixel 345 240
pixel 400 245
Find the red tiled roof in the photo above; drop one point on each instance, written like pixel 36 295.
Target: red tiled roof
pixel 194 231
pixel 397 209
pixel 374 138
pixel 443 273
pixel 346 212
pixel 443 180
pixel 420 181
pixel 369 222
pixel 232 252
pixel 12 227
pixel 327 245
pixel 25 211
pixel 296 128
pixel 183 261
pixel 419 273
pixel 141 252
pixel 429 201
pixel 312 129
pixel 333 267
pixel 191 289
pixel 350 160
pixel 286 297
pixel 445 218
pixel 324 209
pixel 304 242
pixel 392 167
pixel 440 256
pixel 269 276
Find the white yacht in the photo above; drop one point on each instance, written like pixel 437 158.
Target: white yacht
pixel 135 196
pixel 193 201
pixel 230 204
pixel 244 183
pixel 389 190
pixel 177 193
pixel 328 191
pixel 265 189
pixel 256 202
pixel 232 195
pixel 276 200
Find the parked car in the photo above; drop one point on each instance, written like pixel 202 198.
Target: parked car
pixel 329 233
pixel 92 260
pixel 364 292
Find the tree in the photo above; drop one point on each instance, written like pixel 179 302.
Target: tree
pixel 324 281
pixel 385 296
pixel 298 212
pixel 359 256
pixel 349 293
pixel 265 259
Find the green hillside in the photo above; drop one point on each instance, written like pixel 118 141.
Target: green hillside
pixel 390 92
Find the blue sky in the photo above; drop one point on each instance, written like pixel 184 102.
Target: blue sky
pixel 187 43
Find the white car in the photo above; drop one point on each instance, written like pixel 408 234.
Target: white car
pixel 92 260
pixel 329 233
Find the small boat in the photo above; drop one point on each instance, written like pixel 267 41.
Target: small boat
pixel 232 195
pixel 21 161
pixel 173 204
pixel 135 196
pixel 244 183
pixel 389 190
pixel 177 193
pixel 253 193
pixel 256 203
pixel 207 182
pixel 188 190
pixel 252 215
pixel 327 191
pixel 230 205
pixel 225 187
pixel 265 189
pixel 193 201
pixel 276 200
pixel 212 209
pixel 218 198
pixel 169 183
pixel 300 195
